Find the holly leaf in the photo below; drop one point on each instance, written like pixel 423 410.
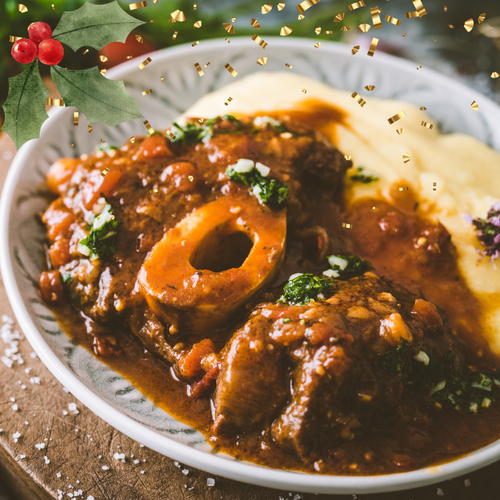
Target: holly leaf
pixel 100 99
pixel 95 26
pixel 25 105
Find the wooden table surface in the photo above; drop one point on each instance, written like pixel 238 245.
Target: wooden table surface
pixel 77 459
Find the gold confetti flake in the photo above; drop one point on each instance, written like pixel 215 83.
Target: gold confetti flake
pixel 103 58
pixel 198 68
pixel 146 92
pixel 317 45
pixel 370 88
pixel 355 50
pixel 346 225
pixel 434 186
pixel 358 99
pixel 288 65
pixel 207 65
pixel 281 5
pixel 198 24
pixel 373 209
pixel 230 69
pixel 145 63
pixel 304 91
pixel 76 116
pixel 54 102
pixel 375 13
pixel 255 24
pixel 229 99
pixel 257 39
pixel 403 188
pixel 364 27
pixel 148 126
pixel 392 20
pixel 404 34
pixel 72 145
pixel 445 8
pixel 262 60
pixel 339 17
pixel 306 4
pixel 419 67
pixel 195 6
pixel 128 57
pixel 406 158
pixel 162 79
pixel 103 71
pixel 152 191
pixel 174 36
pixel 430 126
pixel 138 5
pixel 285 31
pixel 229 28
pixel 481 18
pixel 171 135
pixel 13 39
pixel 178 16
pixel 423 108
pixel 266 8
pixel 348 157
pixel 450 26
pixel 227 40
pixel 395 118
pixel 194 44
pixel 328 32
pixel 300 17
pixel 106 170
pixel 22 8
pixel 419 7
pixel 318 30
pixel 139 38
pixel 474 106
pixel 89 128
pixel 53 7
pixel 411 15
pixel 356 5
pixel 373 46
pixel 233 19
pixel 495 74
pixel 191 178
pixel 345 28
pixel 469 25
pixel 400 131
pixel 171 20
pixel 132 140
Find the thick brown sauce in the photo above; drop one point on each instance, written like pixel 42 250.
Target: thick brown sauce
pixel 387 238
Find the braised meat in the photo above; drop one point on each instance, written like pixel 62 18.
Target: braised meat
pixel 333 352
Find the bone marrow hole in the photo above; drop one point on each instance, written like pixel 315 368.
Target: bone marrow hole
pixel 222 249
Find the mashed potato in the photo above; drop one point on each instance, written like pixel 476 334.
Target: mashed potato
pixel 466 171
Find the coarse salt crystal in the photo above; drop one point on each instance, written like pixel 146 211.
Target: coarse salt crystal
pixel 40 446
pixel 185 471
pixel 22 456
pixel 440 492
pixel 90 497
pixel 23 387
pixel 136 461
pixel 119 456
pixel 35 380
pixel 15 407
pixel 58 474
pixel 142 472
pixel 16 435
pixel 33 355
pixel 47 461
pixel 72 407
pixel 65 412
pixel 13 399
pixel 467 483
pixel 27 370
pixel 105 467
pixel 210 481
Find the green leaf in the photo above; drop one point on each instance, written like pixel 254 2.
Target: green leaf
pixel 100 99
pixel 95 26
pixel 25 105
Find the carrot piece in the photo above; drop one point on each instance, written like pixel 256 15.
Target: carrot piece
pixel 190 363
pixel 97 184
pixel 58 219
pixel 154 146
pixel 59 252
pixel 51 287
pixel 60 173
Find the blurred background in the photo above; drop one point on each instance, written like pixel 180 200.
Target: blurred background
pixel 430 41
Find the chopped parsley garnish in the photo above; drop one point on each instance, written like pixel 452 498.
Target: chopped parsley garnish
pixel 102 238
pixel 272 192
pixel 66 277
pixel 106 148
pixel 303 288
pixel 364 176
pixel 391 360
pixel 465 390
pixel 346 266
pixel 193 132
pixel 260 121
pixel 488 232
pixel 286 320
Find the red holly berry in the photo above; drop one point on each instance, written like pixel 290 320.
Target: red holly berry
pixel 50 51
pixel 39 31
pixel 24 51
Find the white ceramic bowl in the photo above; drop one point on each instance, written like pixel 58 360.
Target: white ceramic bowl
pixel 105 392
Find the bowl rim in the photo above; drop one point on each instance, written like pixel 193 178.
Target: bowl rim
pixel 229 468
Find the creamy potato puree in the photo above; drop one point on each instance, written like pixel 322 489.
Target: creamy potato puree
pixel 467 172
